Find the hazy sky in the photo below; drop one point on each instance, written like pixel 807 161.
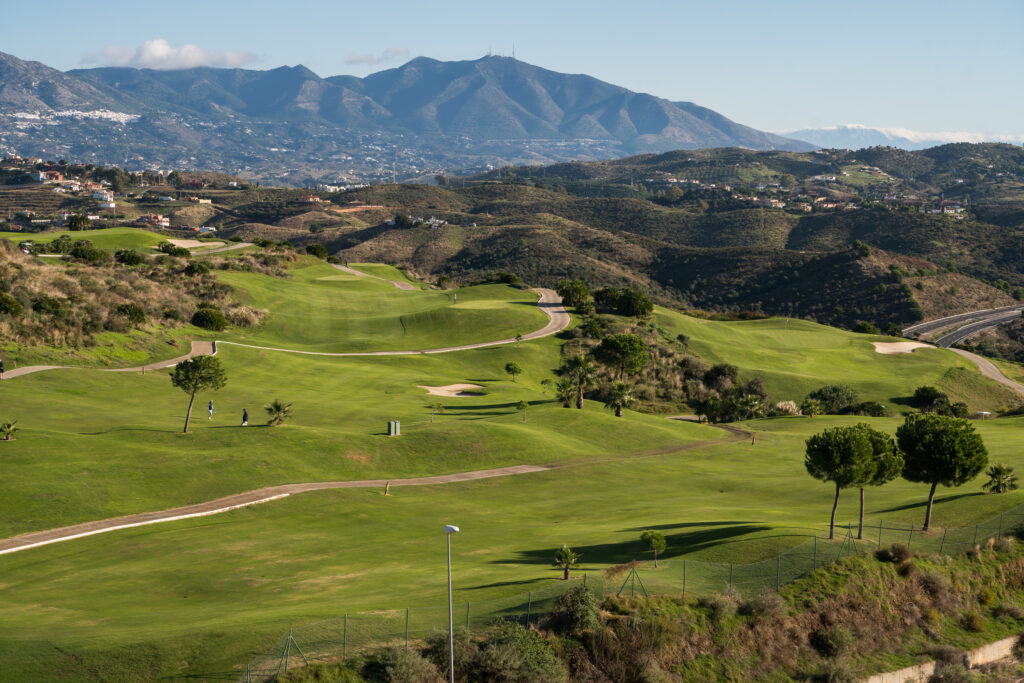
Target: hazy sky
pixel 926 65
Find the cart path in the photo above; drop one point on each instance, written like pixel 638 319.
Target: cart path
pixel 199 348
pixel 219 250
pixel 397 283
pixel 988 369
pixel 36 539
pixel 549 302
pixel 240 500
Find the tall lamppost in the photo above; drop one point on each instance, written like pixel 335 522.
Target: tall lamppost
pixel 448 531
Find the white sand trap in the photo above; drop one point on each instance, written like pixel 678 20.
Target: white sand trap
pixel 192 244
pixel 453 390
pixel 898 347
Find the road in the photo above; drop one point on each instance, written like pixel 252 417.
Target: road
pixel 1000 315
pixel 991 320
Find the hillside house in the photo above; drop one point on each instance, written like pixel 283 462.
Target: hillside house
pixel 108 205
pixel 103 195
pixel 155 220
pixel 310 199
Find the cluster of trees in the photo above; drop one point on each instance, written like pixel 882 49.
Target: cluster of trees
pixel 625 302
pixel 624 354
pixel 928 399
pixel 729 399
pixel 929 449
pixel 839 399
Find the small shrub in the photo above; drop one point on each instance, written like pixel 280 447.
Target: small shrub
pixel 515 654
pixel 437 650
pixel 767 603
pixel 131 311
pixel 836 671
pixel 1003 545
pixel 1007 610
pixel 900 553
pixel 720 606
pixel 88 253
pixel 906 569
pixel 209 319
pixel 405 665
pixel 951 673
pixel 317 250
pixel 129 257
pixel 987 597
pixel 1018 648
pixel 172 314
pixel 931 616
pixel 196 268
pixel 9 305
pixel 832 640
pixel 179 252
pixel 938 586
pixel 948 654
pixel 973 621
pixel 576 610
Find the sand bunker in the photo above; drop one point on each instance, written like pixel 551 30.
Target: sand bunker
pixel 453 390
pixel 191 244
pixel 898 347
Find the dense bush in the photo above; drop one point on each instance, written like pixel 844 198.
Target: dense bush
pixel 9 305
pixel 133 312
pixel 209 319
pixel 405 665
pixel 85 251
pixel 831 641
pixel 834 397
pixel 576 610
pixel 318 250
pixel 129 257
pixel 196 268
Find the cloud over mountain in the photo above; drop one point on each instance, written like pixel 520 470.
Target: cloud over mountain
pixel 388 55
pixel 159 54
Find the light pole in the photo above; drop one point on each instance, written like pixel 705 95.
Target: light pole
pixel 448 531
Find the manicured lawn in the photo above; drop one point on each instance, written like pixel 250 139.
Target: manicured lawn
pixel 110 239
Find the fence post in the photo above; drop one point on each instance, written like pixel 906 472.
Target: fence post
pixel 910 538
pixel 407 628
pixel 467 613
pixel 879 533
pixel 778 573
pixel 344 640
pixel 1000 526
pixel 584 580
pixel 684 578
pixel 529 606
pixel 942 543
pixel 287 650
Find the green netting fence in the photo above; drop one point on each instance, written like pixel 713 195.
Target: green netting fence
pixel 351 634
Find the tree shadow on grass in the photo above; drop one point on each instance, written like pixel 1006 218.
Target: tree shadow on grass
pixel 683 525
pixel 924 501
pixel 682 543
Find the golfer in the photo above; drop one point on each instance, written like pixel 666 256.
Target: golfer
pixel 1 369
pixel 209 408
pixel 245 417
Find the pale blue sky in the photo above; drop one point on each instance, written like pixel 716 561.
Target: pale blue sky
pixel 926 65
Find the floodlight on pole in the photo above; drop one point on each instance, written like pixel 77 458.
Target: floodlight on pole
pixel 450 529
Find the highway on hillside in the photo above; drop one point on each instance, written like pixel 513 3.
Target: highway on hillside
pixel 974 328
pixel 925 328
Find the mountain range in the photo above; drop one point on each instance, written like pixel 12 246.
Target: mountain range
pixel 431 113
pixel 857 136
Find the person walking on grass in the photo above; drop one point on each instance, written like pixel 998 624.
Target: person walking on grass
pixel 209 409
pixel 1 369
pixel 245 417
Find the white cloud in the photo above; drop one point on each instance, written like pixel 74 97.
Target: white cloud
pixel 388 55
pixel 159 54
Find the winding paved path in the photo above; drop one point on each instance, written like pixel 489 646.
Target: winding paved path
pixel 199 348
pixel 988 369
pixel 549 302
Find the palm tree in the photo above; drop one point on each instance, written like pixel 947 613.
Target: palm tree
pixel 8 429
pixel 279 411
pixel 620 395
pixel 565 390
pixel 750 406
pixel 582 371
pixel 1000 479
pixel 566 559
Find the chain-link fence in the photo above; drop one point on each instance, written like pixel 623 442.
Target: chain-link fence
pixel 342 637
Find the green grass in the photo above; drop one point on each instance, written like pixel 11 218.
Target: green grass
pixel 796 357
pixel 110 239
pixel 96 445
pixel 382 271
pixel 324 309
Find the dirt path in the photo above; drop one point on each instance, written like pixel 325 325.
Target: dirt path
pixel 549 302
pixel 199 348
pixel 213 507
pixel 988 369
pixel 230 247
pixel 397 283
